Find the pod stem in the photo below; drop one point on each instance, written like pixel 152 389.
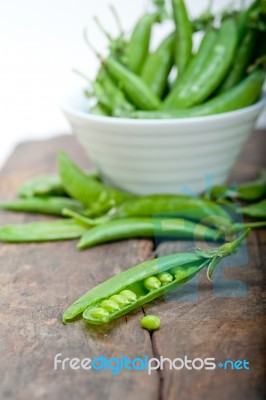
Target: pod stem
pixel 100 26
pixel 90 45
pixel 117 18
pixel 251 225
pixel 90 222
pixel 82 75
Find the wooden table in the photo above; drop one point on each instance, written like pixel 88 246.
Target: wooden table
pixel 39 281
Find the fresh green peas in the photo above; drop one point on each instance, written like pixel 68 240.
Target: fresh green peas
pixel 99 313
pixel 129 295
pixel 150 322
pixel 165 278
pixel 188 266
pixel 110 305
pixel 120 300
pixel 152 283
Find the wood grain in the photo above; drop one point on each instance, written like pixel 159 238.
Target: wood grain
pixel 39 281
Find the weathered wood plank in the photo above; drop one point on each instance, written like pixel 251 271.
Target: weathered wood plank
pixel 39 281
pixel 220 327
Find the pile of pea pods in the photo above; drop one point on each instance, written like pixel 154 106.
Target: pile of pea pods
pixel 225 73
pixel 96 213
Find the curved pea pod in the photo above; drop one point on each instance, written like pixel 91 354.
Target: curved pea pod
pixel 252 191
pixel 158 65
pixel 43 205
pixel 132 280
pixel 99 109
pixel 194 68
pixel 213 72
pixel 248 191
pixel 257 210
pixel 246 93
pixel 138 45
pixel 183 48
pixel 241 63
pixel 43 185
pixel 144 283
pixel 181 206
pixel 84 188
pixel 42 231
pixel 116 96
pixel 128 228
pixel 134 87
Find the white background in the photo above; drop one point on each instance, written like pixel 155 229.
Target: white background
pixel 41 41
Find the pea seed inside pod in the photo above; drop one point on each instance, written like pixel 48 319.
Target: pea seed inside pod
pixel 129 295
pixel 180 273
pixel 165 278
pixel 99 313
pixel 110 305
pixel 152 283
pixel 120 300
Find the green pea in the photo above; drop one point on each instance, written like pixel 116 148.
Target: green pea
pixel 150 322
pixel 129 295
pixel 165 278
pixel 180 273
pixel 99 313
pixel 120 300
pixel 152 283
pixel 110 305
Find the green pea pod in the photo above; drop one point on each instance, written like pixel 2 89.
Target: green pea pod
pixel 179 206
pixel 44 185
pixel 141 284
pixel 215 69
pixel 252 191
pixel 138 45
pixel 134 87
pixel 257 210
pixel 42 231
pixel 117 97
pixel 263 6
pixel 242 95
pixel 128 228
pixel 99 109
pixel 183 49
pixel 241 63
pixel 84 188
pixel 248 191
pixel 158 65
pixel 42 205
pixel 194 68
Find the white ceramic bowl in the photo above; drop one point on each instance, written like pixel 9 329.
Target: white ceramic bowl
pixel 161 156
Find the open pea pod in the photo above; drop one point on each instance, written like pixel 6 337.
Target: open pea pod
pixel 145 282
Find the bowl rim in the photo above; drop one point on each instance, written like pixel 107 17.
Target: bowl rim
pixel 68 110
